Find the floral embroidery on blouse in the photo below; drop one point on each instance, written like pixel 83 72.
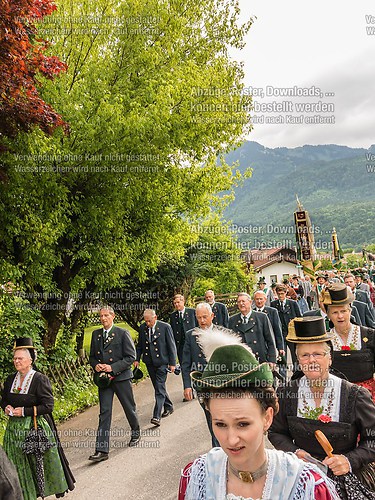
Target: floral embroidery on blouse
pixel 353 342
pixel 17 387
pixel 322 413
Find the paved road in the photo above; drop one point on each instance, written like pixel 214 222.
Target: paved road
pixel 149 472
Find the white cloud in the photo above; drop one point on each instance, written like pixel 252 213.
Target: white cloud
pixel 322 44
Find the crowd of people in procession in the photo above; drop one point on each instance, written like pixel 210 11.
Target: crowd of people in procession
pixel 296 358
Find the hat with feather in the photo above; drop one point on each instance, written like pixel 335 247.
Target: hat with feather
pixel 230 363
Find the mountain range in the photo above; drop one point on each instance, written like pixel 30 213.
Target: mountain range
pixel 334 183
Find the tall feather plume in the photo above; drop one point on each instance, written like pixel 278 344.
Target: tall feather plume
pixel 209 340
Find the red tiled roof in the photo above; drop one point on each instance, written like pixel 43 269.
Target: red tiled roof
pixel 264 258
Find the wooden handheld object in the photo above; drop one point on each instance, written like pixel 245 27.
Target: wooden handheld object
pixel 324 443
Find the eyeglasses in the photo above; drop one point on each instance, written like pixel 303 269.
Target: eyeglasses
pixel 315 355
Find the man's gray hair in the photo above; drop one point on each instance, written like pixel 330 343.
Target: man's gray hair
pixel 149 311
pixel 107 308
pixel 202 305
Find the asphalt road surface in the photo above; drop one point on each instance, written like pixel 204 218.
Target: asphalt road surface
pixel 152 470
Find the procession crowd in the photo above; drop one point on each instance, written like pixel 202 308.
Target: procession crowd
pixel 295 364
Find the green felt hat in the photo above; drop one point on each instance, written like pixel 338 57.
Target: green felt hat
pixel 103 379
pixel 232 366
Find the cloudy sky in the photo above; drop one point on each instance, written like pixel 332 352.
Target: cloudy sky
pixel 322 45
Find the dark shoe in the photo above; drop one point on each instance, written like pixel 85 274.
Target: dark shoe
pixel 167 412
pixel 134 441
pixel 155 421
pixel 99 456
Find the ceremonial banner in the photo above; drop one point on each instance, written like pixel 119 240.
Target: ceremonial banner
pixel 303 235
pixel 336 250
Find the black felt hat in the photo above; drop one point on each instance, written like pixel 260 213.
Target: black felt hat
pixel 25 343
pixel 137 373
pixel 308 330
pixel 336 294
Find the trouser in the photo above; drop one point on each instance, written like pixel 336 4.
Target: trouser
pixel 158 376
pixel 124 392
pixel 180 350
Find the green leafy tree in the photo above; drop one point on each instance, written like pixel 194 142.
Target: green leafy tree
pixel 152 98
pixel 213 261
pixel 17 319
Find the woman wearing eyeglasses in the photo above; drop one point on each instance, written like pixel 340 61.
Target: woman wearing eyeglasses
pixel 353 345
pixel 319 400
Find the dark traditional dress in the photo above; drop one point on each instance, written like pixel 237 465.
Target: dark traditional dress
pixel 356 359
pixel 36 391
pixel 348 422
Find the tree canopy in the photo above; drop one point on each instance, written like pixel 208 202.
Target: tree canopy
pixel 152 98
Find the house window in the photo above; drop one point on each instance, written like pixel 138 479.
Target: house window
pixel 285 276
pixel 273 278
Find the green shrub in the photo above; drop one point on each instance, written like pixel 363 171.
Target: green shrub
pixel 18 319
pixel 78 394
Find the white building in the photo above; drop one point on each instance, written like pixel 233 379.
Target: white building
pixel 274 264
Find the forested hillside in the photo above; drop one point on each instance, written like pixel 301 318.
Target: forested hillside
pixel 334 183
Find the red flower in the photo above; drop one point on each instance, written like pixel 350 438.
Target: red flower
pixel 345 348
pixel 325 418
